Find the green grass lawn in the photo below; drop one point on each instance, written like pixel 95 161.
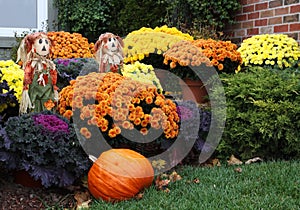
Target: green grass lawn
pixel 272 185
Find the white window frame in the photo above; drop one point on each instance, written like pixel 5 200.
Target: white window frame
pixel 42 17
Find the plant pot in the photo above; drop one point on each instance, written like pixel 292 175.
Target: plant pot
pixel 22 177
pixel 193 90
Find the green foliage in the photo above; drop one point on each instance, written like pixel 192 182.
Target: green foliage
pixel 263 114
pixel 137 14
pixel 92 18
pixel 85 17
pixel 187 14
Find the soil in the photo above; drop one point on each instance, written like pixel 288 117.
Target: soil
pixel 17 196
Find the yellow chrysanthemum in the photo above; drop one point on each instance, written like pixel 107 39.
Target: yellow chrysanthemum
pixel 140 43
pixel 270 49
pixel 141 72
pixel 14 75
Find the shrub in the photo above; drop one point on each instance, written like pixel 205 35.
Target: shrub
pixel 85 17
pixel 263 114
pixel 196 14
pixel 136 14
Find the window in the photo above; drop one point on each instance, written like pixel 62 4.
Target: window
pixel 18 16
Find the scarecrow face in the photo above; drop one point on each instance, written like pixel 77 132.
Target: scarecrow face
pixel 112 44
pixel 41 46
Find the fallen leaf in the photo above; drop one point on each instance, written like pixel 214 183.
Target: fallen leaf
pixel 212 163
pixel 253 160
pixel 216 162
pixel 239 170
pixel 234 161
pixel 84 205
pixel 174 176
pixel 139 196
pixel 83 199
pixel 162 182
pixel 167 190
pixel 196 181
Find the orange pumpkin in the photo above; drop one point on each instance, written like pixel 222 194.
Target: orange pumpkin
pixel 119 174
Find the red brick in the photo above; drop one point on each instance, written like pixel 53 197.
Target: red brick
pixel 253 15
pixel 249 8
pixel 275 21
pixel 295 27
pixel 291 18
pixel 267 13
pixel 241 17
pixel 248 24
pixel 261 22
pixel 275 3
pixel 252 1
pixel 281 28
pixel 261 6
pixel 282 11
pixel 252 31
pixel 295 8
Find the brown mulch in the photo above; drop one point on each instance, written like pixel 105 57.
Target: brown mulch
pixel 17 196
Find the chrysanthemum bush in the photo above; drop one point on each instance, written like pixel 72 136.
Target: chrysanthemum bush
pixel 11 79
pixel 141 72
pixel 222 54
pixel 46 146
pixel 119 105
pixel 70 45
pixel 270 50
pixel 140 43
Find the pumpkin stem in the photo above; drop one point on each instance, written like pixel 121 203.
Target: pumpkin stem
pixel 92 158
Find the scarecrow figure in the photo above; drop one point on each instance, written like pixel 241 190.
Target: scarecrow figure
pixel 109 52
pixel 40 75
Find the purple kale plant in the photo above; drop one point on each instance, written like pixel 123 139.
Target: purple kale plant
pixel 189 112
pixel 51 123
pixel 44 144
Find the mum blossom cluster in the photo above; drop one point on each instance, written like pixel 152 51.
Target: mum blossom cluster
pixel 185 54
pixel 13 75
pixel 223 55
pixel 142 73
pixel 142 42
pixel 70 45
pixel 270 50
pixel 119 104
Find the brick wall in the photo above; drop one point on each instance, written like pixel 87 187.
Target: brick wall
pixel 266 16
